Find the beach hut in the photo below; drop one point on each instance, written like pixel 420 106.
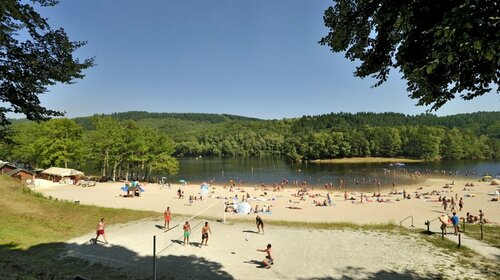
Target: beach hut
pixel 57 174
pixel 21 174
pixel 6 168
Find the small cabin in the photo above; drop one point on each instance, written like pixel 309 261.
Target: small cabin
pixel 21 174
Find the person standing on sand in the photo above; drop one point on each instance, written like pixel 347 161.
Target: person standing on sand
pixel 100 231
pixel 345 195
pixel 455 221
pixel 187 232
pixel 445 203
pixel 204 234
pixel 481 217
pixel 443 227
pixel 460 204
pixel 269 260
pixel 168 217
pixel 260 223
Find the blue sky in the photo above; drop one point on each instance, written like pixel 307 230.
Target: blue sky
pixel 252 58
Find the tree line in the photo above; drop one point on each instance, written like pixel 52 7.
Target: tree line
pixel 117 149
pixel 144 144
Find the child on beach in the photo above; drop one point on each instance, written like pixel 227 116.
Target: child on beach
pixel 100 231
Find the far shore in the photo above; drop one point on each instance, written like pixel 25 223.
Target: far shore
pixel 367 160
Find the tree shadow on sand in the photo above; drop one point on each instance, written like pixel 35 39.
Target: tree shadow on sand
pixel 91 261
pixel 351 273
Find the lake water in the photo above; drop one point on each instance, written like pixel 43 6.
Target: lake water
pixel 256 171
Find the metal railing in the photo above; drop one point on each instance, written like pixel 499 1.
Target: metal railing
pixel 409 217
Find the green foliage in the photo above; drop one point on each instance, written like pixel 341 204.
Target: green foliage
pixel 126 148
pixel 29 63
pixel 443 48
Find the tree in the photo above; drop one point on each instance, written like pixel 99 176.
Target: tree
pixel 33 56
pixel 443 48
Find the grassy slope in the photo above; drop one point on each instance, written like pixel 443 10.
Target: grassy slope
pixel 33 229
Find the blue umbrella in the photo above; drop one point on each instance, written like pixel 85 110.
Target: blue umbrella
pixel 182 181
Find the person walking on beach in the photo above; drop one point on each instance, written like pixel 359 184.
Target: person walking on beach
pixel 460 204
pixel 168 217
pixel 187 231
pixel 345 195
pixel 269 260
pixel 452 204
pixel 455 221
pixel 100 231
pixel 260 223
pixel 204 234
pixel 445 203
pixel 481 217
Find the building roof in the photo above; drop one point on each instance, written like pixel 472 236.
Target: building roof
pixel 62 172
pixel 17 170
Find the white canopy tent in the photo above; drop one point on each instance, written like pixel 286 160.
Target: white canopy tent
pixel 62 172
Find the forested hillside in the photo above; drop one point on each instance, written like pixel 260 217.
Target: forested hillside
pixel 121 141
pixel 427 136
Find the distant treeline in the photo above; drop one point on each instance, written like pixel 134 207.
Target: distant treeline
pixel 336 135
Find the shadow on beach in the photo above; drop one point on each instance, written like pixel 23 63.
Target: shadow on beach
pixel 62 261
pixel 91 261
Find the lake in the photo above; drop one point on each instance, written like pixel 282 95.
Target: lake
pixel 368 176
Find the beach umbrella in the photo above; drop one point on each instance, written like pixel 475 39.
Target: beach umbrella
pixel 204 189
pixel 244 208
pixel 182 181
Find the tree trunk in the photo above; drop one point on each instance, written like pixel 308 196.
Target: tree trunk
pixel 104 164
pixel 115 166
pixel 127 172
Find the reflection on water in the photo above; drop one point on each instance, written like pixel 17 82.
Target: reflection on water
pixel 256 171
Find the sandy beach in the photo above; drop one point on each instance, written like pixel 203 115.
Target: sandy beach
pixel 301 253
pixel 427 207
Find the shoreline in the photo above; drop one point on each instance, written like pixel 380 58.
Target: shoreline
pixel 286 206
pixel 366 160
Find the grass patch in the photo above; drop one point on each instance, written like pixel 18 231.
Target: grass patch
pixel 491 233
pixel 385 227
pixel 33 230
pixel 466 257
pixel 366 160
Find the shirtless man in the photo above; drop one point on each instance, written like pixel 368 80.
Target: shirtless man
pixel 100 231
pixel 269 260
pixel 187 231
pixel 204 234
pixel 168 218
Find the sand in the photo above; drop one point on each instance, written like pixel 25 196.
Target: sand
pixel 156 198
pixel 300 253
